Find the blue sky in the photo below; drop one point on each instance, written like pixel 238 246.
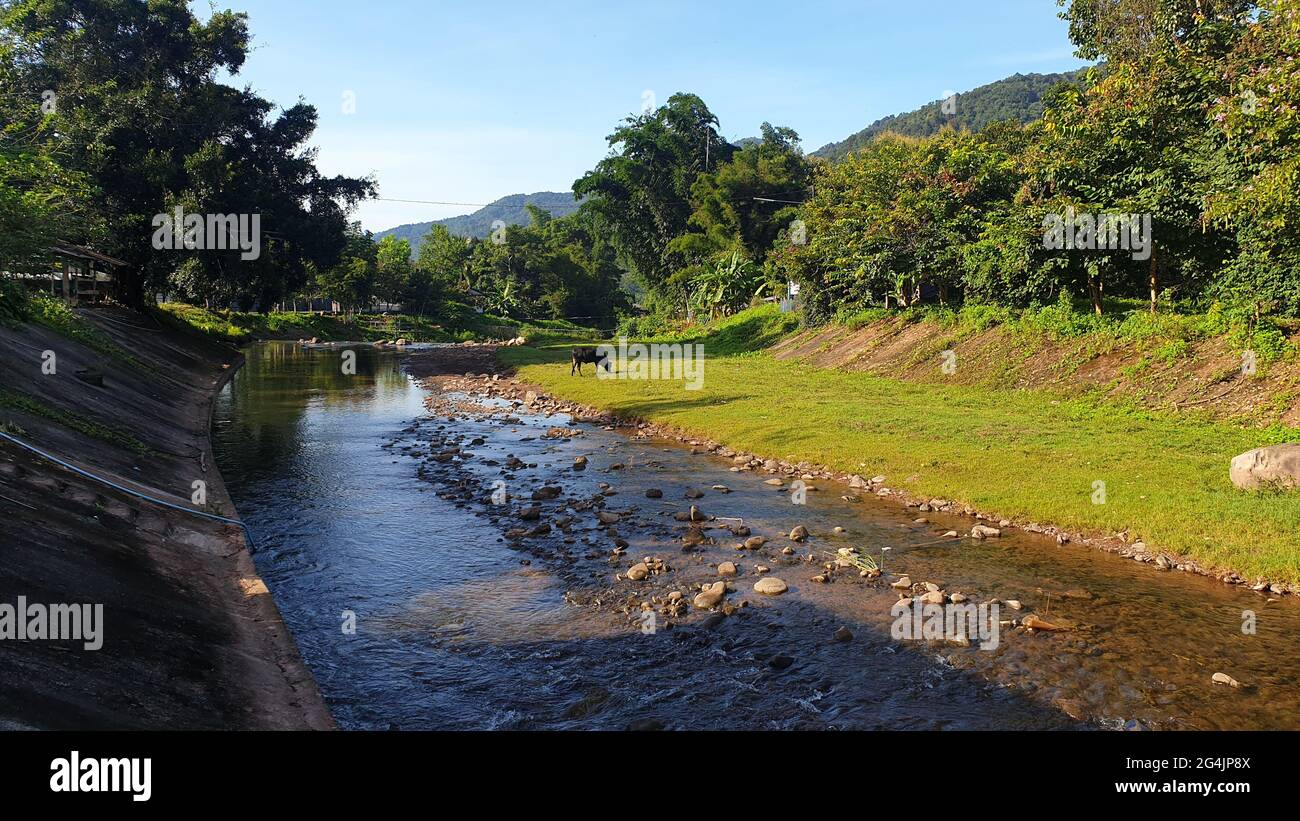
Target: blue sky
pixel 470 101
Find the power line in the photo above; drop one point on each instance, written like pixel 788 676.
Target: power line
pixel 437 202
pixel 487 204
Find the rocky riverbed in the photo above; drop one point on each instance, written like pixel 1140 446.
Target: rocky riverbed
pixel 671 535
pixel 501 560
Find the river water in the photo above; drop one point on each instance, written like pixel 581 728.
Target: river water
pixel 415 609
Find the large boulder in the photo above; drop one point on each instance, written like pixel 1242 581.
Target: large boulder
pixel 1272 466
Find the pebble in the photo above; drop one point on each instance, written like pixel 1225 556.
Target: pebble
pixel 711 595
pixel 799 533
pixel 727 569
pixel 638 572
pixel 1224 678
pixel 843 634
pixel 654 493
pixel 770 586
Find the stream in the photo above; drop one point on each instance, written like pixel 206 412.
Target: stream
pixel 418 601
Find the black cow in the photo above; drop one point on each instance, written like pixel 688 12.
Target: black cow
pixel 591 356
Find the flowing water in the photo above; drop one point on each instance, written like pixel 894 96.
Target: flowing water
pixel 458 625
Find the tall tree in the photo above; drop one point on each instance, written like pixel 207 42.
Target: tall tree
pixel 141 113
pixel 642 189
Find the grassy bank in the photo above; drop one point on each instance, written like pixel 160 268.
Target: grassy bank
pixel 1028 455
pixel 454 323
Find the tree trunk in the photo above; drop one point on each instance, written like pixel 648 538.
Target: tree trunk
pixel 1153 279
pixel 1094 290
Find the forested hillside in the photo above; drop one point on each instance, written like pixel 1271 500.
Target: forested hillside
pixel 1018 97
pixel 510 209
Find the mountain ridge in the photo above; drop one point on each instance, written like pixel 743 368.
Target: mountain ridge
pixel 1018 97
pixel 509 209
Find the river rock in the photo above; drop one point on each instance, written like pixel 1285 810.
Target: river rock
pixel 654 493
pixel 774 482
pixel 711 595
pixel 755 542
pixel 545 493
pixel 638 572
pixel 696 515
pixel 727 569
pixel 843 634
pixel 1035 623
pixel 1272 466
pixel 692 538
pixel 984 531
pixel 608 518
pixel 694 494
pixel 933 597
pixel 580 463
pixel 904 583
pixel 799 533
pixel 770 586
pixel 1224 678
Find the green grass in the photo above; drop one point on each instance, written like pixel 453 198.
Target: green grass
pixel 27 404
pixel 1125 321
pixel 18 306
pixel 455 323
pixel 1027 455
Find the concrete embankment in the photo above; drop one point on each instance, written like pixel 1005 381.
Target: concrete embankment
pixel 191 638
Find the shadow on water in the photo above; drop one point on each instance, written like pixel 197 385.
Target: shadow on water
pixel 456 627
